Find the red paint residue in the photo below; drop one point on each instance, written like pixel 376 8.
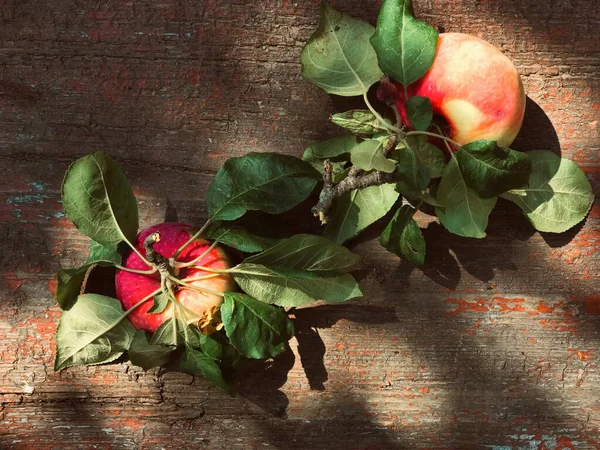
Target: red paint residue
pixel 591 305
pixel 52 283
pixel 582 355
pixel 563 443
pixel 464 305
pixel 500 304
pixel 424 390
pixel 543 308
pixel 12 281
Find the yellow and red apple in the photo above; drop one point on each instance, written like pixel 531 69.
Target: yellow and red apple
pixel 474 87
pixel 133 287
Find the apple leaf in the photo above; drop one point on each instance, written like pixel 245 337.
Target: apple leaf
pixel 209 345
pixel 267 182
pixel 403 236
pixel 257 330
pixel 174 332
pixel 358 121
pixel 338 57
pixel 405 47
pixel 290 288
pixel 71 280
pixel 161 301
pixel 307 252
pixel 99 200
pixel 412 175
pixel 491 170
pixel 558 195
pixel 420 112
pixel 238 237
pixel 368 155
pixel 356 210
pixel 429 155
pixel 330 148
pixel 198 363
pixel 464 213
pixel 94 331
pixel 145 355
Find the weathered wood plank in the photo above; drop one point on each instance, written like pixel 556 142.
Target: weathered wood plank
pixel 494 345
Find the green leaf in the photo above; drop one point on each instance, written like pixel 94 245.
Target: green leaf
pixel 307 252
pixel 289 288
pixel 405 47
pixel 238 237
pixel 161 301
pixel 338 57
pixel 255 329
pixel 420 112
pixel 93 331
pixel 403 237
pixel 412 175
pixel 69 285
pixel 99 200
pixel 368 155
pixel 356 210
pixel 198 363
pixel 558 195
pixel 71 280
pixel 428 155
pixel 101 254
pixel 492 170
pixel 209 345
pixel 174 332
pixel 465 213
pixel 424 196
pixel 358 121
pixel 143 354
pixel 268 182
pixel 331 148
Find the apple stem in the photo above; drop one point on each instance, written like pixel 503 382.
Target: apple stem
pixel 193 238
pixel 204 277
pixel 195 260
pixel 146 298
pixel 195 288
pixel 137 252
pixel 427 133
pixel 141 272
pixel 398 117
pixel 384 122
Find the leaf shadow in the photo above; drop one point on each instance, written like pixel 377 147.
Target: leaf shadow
pixel 260 383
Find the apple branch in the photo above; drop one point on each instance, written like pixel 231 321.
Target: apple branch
pixel 356 179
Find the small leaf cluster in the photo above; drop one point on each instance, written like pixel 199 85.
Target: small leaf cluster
pixel 274 275
pixel 346 56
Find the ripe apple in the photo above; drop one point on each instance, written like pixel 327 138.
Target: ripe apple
pixel 474 87
pixel 133 287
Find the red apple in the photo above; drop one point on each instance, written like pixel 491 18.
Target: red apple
pixel 133 287
pixel 475 87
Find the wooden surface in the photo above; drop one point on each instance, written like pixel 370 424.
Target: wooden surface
pixel 495 345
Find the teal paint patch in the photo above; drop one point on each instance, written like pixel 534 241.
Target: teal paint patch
pixel 499 447
pixel 531 443
pixel 29 198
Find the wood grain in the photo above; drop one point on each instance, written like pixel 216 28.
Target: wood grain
pixel 494 345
